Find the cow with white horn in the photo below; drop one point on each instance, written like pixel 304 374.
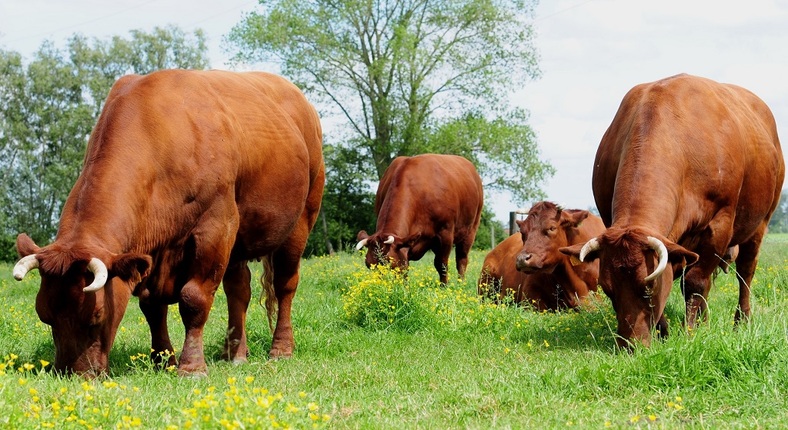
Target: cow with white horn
pixel 689 169
pixel 188 176
pixel 428 202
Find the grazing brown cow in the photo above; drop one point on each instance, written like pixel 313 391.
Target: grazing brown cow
pixel 188 175
pixel 688 168
pixel 529 265
pixel 426 202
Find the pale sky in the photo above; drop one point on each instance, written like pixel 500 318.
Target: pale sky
pixel 592 52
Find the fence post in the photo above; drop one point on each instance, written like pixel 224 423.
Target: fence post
pixel 513 217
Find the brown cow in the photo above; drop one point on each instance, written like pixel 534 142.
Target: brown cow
pixel 425 202
pixel 529 265
pixel 188 175
pixel 688 168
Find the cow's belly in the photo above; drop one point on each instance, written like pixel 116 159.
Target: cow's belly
pixel 268 214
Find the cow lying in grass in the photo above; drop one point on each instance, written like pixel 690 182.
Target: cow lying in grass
pixel 529 267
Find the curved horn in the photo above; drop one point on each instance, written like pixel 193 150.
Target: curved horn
pixel 389 240
pixel 662 253
pixel 25 265
pixel 362 243
pixel 100 275
pixel 590 246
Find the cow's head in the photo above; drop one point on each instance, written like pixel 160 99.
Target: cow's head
pixel 545 231
pixel 634 273
pixel 83 297
pixel 386 249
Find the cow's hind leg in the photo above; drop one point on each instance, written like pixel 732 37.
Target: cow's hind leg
pixel 285 266
pixel 746 263
pixel 285 263
pixel 162 353
pixel 236 284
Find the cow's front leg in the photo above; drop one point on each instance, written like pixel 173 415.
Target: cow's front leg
pixel 195 304
pixel 441 261
pixel 236 284
pixel 161 347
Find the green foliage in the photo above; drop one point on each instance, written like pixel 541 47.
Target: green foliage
pixel 48 108
pixel 504 150
pixel 779 221
pixel 489 226
pixel 383 299
pixel 397 72
pixel 348 203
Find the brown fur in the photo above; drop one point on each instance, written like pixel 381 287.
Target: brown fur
pixel 187 176
pixel 696 164
pixel 427 202
pixel 550 280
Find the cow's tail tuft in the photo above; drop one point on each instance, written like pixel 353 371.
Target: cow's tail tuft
pixel 268 295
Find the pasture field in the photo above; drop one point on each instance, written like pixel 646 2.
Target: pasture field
pixel 374 352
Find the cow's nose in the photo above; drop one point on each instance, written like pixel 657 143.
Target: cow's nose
pixel 522 260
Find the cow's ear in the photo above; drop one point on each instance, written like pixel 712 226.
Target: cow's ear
pixel 362 235
pixel 131 267
pixel 574 253
pixel 680 256
pixel 520 223
pixel 411 240
pixel 573 217
pixel 25 245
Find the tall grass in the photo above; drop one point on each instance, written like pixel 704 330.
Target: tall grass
pixel 376 351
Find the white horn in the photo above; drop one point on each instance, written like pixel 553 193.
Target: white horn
pixel 389 241
pixel 99 275
pixel 662 253
pixel 362 243
pixel 590 246
pixel 25 265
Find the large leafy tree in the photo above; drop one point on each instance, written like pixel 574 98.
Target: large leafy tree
pixel 48 108
pixel 779 221
pixel 412 76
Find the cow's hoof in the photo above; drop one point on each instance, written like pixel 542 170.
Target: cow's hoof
pixel 276 354
pixel 239 361
pixel 193 372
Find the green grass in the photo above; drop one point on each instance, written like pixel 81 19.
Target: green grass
pixel 437 359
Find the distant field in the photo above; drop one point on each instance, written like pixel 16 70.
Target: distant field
pixel 376 353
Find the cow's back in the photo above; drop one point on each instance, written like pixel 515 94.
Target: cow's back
pixel 175 148
pixel 681 149
pixel 430 189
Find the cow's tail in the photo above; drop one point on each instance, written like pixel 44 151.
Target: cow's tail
pixel 268 295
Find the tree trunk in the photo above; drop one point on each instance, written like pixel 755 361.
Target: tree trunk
pixel 329 247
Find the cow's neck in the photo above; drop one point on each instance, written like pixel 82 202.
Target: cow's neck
pixel 113 213
pixel 399 219
pixel 655 211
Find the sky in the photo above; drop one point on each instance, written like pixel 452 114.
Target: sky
pixel 591 53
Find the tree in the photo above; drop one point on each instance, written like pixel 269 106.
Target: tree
pixel 348 203
pixel 412 76
pixel 48 109
pixel 779 221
